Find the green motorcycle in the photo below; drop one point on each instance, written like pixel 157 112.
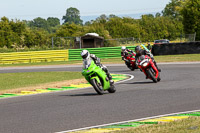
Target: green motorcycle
pixel 97 77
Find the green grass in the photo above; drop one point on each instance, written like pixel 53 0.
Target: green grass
pixel 163 58
pixel 17 80
pixel 42 63
pixel 178 58
pixel 190 125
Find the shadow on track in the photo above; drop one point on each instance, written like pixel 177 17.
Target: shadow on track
pixel 121 71
pixel 148 82
pixel 85 94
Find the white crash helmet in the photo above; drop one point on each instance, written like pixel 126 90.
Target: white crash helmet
pixel 123 48
pixel 85 54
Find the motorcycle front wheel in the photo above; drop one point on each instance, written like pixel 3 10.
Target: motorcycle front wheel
pixel 98 87
pixel 151 75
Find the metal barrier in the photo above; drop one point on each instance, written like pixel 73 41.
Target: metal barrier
pixel 105 52
pixel 34 56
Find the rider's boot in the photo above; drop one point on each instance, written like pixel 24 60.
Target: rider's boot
pixel 157 66
pixel 110 78
pixel 108 74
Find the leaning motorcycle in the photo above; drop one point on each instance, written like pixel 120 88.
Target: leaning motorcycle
pixel 130 62
pixel 146 65
pixel 97 77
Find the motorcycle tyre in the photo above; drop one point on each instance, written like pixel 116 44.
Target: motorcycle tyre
pixel 112 89
pixel 151 75
pixel 158 79
pixel 96 87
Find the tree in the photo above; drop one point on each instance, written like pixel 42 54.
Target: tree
pixel 112 16
pixel 68 30
pixel 52 22
pixel 102 19
pixel 72 16
pixel 39 23
pixel 35 37
pixel 122 28
pixel 172 9
pixel 158 14
pixel 191 17
pixel 11 32
pixel 87 23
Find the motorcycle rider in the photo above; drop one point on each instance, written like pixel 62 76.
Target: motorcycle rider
pixel 125 51
pixel 86 55
pixel 124 54
pixel 139 51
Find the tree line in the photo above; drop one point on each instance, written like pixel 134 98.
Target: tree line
pixel 178 17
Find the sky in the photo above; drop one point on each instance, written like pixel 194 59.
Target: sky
pixel 30 9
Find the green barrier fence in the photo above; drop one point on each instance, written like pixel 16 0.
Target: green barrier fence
pixel 105 52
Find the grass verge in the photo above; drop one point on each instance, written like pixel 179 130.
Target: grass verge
pixel 163 58
pixel 18 80
pixel 190 125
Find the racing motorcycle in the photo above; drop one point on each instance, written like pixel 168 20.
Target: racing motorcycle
pixel 97 77
pixel 146 65
pixel 130 62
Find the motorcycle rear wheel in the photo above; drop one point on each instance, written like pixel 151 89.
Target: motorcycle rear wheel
pixel 97 87
pixel 158 79
pixel 112 89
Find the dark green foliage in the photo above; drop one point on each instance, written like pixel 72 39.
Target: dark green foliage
pixel 191 17
pixel 39 23
pixel 15 34
pixel 173 9
pixel 52 22
pixel 72 16
pixel 10 32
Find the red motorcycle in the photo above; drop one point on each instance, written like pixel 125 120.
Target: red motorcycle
pixel 130 62
pixel 146 64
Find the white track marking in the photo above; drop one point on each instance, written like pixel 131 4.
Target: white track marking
pixel 128 121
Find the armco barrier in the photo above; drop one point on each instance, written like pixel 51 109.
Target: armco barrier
pixel 34 56
pixel 105 52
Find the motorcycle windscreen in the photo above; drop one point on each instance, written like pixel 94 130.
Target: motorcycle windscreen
pixel 87 62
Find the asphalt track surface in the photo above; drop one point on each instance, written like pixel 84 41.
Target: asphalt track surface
pixel 178 91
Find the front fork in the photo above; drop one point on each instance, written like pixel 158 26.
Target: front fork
pixel 155 69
